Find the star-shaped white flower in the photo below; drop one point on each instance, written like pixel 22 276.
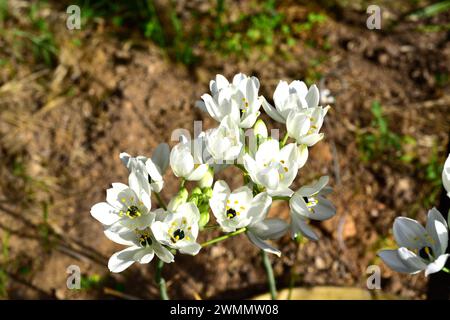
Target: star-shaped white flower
pixel 309 203
pixel 155 167
pixel 128 206
pixel 178 228
pixel 420 248
pixel 238 99
pixel 186 159
pixel 294 97
pixel 225 142
pixel 273 168
pixel 304 126
pixel 239 209
pixel 142 247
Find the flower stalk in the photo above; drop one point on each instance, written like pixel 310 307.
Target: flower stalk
pixel 224 237
pixel 161 281
pixel 270 276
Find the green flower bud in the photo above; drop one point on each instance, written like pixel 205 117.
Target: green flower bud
pixel 179 199
pixel 204 219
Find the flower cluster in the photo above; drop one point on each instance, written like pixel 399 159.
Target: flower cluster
pixel 269 166
pixel 421 248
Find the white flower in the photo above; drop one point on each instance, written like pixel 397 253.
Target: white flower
pixel 128 206
pixel 142 246
pixel 293 97
pixel 273 168
pixel 238 99
pixel 304 126
pixel 446 175
pixel 308 203
pixel 420 248
pixel 154 167
pixel 239 209
pixel 178 229
pixel 186 160
pixel 225 142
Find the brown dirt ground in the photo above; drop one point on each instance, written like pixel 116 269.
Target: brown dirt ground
pixel 62 128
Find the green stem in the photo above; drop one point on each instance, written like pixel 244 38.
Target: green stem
pixel 240 166
pixel 224 237
pixel 160 201
pixel 270 276
pixel 286 137
pixel 183 181
pixel 446 269
pixel 160 281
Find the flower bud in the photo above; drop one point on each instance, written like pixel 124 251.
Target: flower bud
pixel 207 179
pixel 179 199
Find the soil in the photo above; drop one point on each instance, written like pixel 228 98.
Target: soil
pixel 63 127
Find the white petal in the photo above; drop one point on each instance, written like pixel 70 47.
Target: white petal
pixel 105 213
pixel 145 255
pixel 257 241
pixel 198 173
pixel 163 253
pixel 311 139
pixel 409 233
pixel 212 107
pixel 313 188
pixel 192 248
pixel 259 207
pixel 436 265
pixel 161 156
pixel 393 261
pixel 446 175
pixel 411 259
pixel 280 95
pixel 267 151
pixel 121 260
pixel 125 158
pixel 121 235
pixel 117 192
pixel 271 111
pixel 438 230
pixel 299 87
pixel 299 226
pixel 272 228
pixel 313 96
pixel 270 178
pixel 302 155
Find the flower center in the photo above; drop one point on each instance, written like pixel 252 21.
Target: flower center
pixel 426 253
pixel 231 213
pixel 310 203
pixel 145 240
pixel 133 212
pixel 178 235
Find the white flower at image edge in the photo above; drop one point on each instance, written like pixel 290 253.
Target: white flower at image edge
pixel 225 142
pixel 186 159
pixel 239 209
pixel 142 246
pixel 446 176
pixel 273 168
pixel 179 229
pixel 420 248
pixel 238 99
pixel 154 167
pixel 291 98
pixel 128 206
pixel 308 203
